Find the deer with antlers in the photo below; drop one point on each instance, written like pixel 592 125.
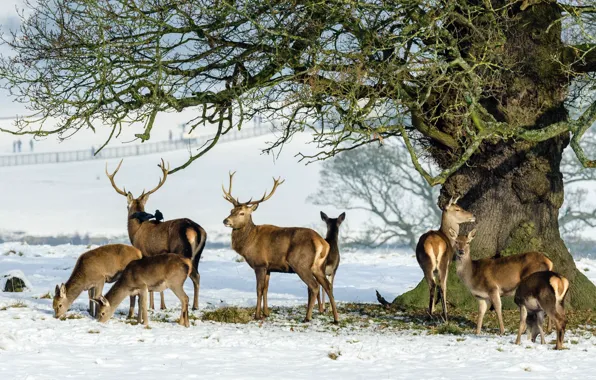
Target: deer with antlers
pixel 181 236
pixel 268 248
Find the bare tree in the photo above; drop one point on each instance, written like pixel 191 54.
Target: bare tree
pixel 382 181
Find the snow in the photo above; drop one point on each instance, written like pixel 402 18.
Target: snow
pixel 34 345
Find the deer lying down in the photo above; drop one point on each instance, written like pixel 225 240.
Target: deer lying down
pixel 537 294
pixel 490 279
pixel 93 269
pixel 154 273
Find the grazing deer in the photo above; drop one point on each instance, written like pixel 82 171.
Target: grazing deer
pixel 182 236
pixel 93 269
pixel 268 248
pixel 539 293
pixel 154 273
pixel 434 252
pixel 489 279
pixel 332 262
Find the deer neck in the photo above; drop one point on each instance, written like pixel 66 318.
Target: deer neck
pixel 242 236
pixel 74 287
pixel 332 237
pixel 133 225
pixel 447 223
pixel 464 267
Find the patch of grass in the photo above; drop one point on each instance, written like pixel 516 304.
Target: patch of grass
pixel 500 349
pixel 229 315
pixel 93 331
pixel 47 296
pixel 586 269
pixel 18 304
pixel 573 341
pixel 460 339
pixel 239 259
pixel 449 328
pixel 14 285
pixel 71 316
pixel 334 355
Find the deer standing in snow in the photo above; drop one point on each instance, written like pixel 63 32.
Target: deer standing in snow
pixel 268 248
pixel 93 269
pixel 332 262
pixel 182 236
pixel 154 273
pixel 537 294
pixel 489 279
pixel 434 252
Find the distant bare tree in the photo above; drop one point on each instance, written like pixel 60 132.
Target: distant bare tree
pixel 577 212
pixel 382 181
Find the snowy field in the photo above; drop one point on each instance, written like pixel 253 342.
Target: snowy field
pixel 34 345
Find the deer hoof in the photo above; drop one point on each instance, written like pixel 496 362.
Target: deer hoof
pixel 305 320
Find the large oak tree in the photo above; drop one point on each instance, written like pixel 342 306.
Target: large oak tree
pixel 478 87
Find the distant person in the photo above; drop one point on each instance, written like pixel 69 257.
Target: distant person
pixel 92 152
pixel 19 144
pixel 171 135
pixel 31 144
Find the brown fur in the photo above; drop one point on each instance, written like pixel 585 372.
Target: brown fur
pixel 489 279
pixel 181 236
pixel 93 269
pixel 155 273
pixel 434 253
pixel 268 248
pixel 332 262
pixel 537 294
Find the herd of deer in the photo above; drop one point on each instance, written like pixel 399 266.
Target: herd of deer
pixel 164 254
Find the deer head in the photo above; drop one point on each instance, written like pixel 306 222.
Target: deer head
pixel 454 214
pixel 60 303
pixel 104 312
pixel 333 223
pixel 241 213
pixel 461 244
pixel 138 204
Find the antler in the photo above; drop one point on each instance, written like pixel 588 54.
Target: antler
pixel 276 182
pixel 111 177
pixel 162 180
pixel 228 194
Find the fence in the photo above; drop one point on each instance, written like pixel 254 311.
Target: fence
pixel 128 150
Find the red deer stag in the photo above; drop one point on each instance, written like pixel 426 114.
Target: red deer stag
pixel 268 248
pixel 489 279
pixel 332 262
pixel 434 252
pixel 539 293
pixel 181 236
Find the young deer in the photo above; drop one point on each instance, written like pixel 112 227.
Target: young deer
pixel 268 248
pixel 539 293
pixel 93 269
pixel 434 252
pixel 154 273
pixel 332 262
pixel 182 236
pixel 489 279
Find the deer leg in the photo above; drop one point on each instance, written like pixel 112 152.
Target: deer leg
pixel 443 289
pixel 196 283
pixel 151 301
pixel 162 304
pixel 142 316
pixel 131 307
pixel 523 315
pixel 549 326
pixel 431 288
pixel 308 278
pixel 321 299
pixel 560 323
pixel 322 279
pixel 482 307
pixel 265 291
pixel 92 310
pixel 496 301
pixel 260 273
pixel 183 297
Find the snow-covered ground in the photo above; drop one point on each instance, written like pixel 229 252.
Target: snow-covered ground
pixel 34 345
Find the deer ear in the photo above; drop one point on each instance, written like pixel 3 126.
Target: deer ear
pixel 62 290
pixel 129 197
pixel 254 207
pixel 341 217
pixel 452 233
pixel 324 216
pixel 101 300
pixel 472 235
pixel 143 199
pixel 57 291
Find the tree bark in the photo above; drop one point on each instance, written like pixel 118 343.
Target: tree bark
pixel 515 191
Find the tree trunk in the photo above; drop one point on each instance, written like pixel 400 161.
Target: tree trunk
pixel 515 191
